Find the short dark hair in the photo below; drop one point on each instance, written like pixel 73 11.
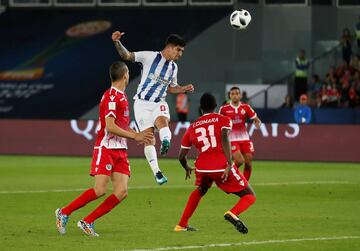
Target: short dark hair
pixel 207 102
pixel 117 70
pixel 175 39
pixel 235 88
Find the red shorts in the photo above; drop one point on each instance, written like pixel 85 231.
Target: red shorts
pixel 105 161
pixel 236 182
pixel 242 146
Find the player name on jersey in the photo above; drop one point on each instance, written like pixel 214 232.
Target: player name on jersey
pixel 205 121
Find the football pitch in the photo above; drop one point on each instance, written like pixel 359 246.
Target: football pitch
pixel 300 206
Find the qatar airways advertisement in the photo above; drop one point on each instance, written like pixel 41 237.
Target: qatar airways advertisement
pixel 272 141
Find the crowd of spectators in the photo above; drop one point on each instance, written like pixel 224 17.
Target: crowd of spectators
pixel 340 87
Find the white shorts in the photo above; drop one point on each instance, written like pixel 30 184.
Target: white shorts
pixel 146 112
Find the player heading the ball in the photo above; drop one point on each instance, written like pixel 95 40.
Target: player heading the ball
pixel 158 77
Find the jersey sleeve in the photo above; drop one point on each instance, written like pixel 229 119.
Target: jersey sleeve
pixel 174 81
pixel 142 56
pixel 250 112
pixel 109 107
pixel 226 123
pixel 221 110
pixel 185 142
pixel 120 106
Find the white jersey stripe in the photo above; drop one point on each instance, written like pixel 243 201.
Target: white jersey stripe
pixel 157 75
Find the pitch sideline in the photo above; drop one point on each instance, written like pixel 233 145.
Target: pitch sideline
pixel 181 186
pixel 249 243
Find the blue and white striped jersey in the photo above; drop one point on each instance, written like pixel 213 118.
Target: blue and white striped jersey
pixel 157 75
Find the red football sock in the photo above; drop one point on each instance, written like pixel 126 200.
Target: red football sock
pixel 82 200
pixel 247 171
pixel 105 207
pixel 244 203
pixel 190 208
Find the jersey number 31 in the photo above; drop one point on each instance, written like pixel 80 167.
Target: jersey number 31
pixel 204 135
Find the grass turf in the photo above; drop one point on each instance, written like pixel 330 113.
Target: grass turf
pixel 294 200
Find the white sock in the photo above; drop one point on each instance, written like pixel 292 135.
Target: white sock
pixel 165 133
pixel 150 154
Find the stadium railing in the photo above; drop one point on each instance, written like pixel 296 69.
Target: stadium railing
pixel 235 3
pixel 288 79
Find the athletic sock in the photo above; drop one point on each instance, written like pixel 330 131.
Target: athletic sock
pixel 247 172
pixel 165 133
pixel 150 154
pixel 190 207
pixel 105 207
pixel 244 203
pixel 82 200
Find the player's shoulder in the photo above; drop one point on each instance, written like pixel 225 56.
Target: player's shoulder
pixel 225 106
pixel 244 105
pixel 115 94
pixel 148 53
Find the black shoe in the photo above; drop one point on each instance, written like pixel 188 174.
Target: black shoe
pixel 233 219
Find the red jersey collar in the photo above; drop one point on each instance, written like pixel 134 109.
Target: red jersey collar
pixel 112 87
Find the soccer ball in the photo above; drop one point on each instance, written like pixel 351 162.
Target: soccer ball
pixel 240 19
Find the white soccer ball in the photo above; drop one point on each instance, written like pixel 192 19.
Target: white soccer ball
pixel 240 19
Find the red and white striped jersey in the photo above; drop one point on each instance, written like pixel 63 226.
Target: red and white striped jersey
pixel 113 103
pixel 238 115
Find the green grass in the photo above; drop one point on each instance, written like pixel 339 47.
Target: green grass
pixel 308 200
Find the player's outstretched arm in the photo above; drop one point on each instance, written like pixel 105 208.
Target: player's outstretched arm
pixel 226 146
pixel 183 161
pixel 181 89
pixel 123 52
pixel 144 137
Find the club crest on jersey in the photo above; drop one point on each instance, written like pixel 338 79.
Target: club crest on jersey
pixel 233 148
pixel 243 111
pixel 108 167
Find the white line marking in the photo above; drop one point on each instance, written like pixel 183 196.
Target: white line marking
pixel 249 243
pixel 179 187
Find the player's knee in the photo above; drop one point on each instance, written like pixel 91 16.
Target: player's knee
pixel 121 194
pixel 100 191
pixel 152 142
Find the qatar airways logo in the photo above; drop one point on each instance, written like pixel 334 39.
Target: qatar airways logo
pixel 269 130
pixel 90 127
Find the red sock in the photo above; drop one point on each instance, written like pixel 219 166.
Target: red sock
pixel 244 203
pixel 82 200
pixel 105 207
pixel 190 207
pixel 247 171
